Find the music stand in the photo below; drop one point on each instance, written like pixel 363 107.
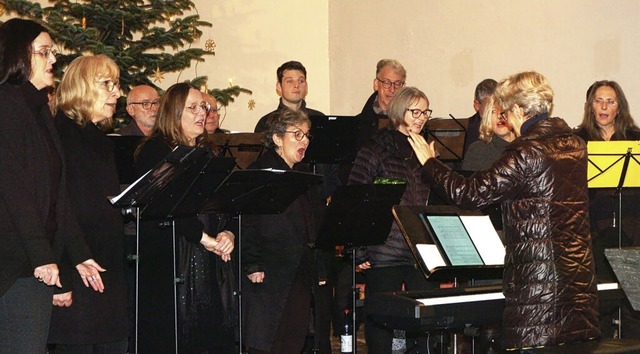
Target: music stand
pixel 178 186
pixel 245 148
pixel 334 139
pixel 415 233
pixel 265 191
pixel 359 215
pixel 448 135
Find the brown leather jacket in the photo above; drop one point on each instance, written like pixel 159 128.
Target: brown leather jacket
pixel 549 281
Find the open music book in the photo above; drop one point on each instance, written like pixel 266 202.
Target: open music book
pixel 460 240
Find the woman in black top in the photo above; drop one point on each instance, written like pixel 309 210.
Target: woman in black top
pixel 36 223
pixel 204 293
pixel 87 95
pixel 607 117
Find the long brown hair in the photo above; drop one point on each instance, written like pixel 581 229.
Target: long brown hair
pixel 623 121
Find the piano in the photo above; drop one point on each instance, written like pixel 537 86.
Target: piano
pixel 451 308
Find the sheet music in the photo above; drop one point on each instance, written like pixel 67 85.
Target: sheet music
pixel 430 255
pixel 485 238
pixel 454 240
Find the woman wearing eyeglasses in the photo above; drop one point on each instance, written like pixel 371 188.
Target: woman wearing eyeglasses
pixel 607 117
pixel 277 258
pixel 388 155
pixel 83 320
pixel 36 221
pixel 204 294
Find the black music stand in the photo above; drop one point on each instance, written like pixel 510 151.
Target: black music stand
pixel 359 215
pixel 334 139
pixel 178 186
pixel 265 191
pixel 414 231
pixel 245 148
pixel 449 135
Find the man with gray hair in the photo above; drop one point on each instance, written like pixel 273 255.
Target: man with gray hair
pixel 481 96
pixel 390 77
pixel 142 106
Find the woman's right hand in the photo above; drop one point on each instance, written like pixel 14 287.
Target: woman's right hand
pixel 257 277
pixel 48 274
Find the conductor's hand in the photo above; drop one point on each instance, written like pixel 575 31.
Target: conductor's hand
pixel 90 273
pixel 424 151
pixel 257 277
pixel 363 266
pixel 63 300
pixel 48 274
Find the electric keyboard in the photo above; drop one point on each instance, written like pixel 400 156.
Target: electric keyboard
pixel 449 308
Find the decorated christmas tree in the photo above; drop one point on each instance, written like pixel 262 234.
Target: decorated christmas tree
pixel 146 38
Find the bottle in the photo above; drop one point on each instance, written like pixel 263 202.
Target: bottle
pixel 346 337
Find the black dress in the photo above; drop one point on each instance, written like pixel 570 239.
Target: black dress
pixel 94 317
pixel 204 302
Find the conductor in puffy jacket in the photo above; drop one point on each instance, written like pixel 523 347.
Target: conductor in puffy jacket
pixel 549 281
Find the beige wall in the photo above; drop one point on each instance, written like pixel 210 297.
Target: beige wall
pixel 449 46
pixel 446 46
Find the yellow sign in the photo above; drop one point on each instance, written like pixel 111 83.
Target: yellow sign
pixel 606 162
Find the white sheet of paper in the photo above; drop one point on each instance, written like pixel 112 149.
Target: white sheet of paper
pixel 430 255
pixel 485 237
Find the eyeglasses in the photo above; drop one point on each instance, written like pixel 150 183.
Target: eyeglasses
pixel 109 84
pixel 416 113
pixel 214 111
pixel 600 101
pixel 147 104
pixel 45 53
pixel 199 107
pixel 387 84
pixel 299 134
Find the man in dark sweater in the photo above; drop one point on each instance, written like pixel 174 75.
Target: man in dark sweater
pixel 292 88
pixel 390 77
pixel 142 106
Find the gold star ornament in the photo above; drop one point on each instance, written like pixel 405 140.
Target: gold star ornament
pixel 210 46
pixel 251 104
pixel 157 75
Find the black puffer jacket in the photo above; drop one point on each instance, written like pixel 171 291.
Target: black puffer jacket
pixel 381 157
pixel 549 282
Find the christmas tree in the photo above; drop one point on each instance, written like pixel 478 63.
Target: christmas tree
pixel 146 38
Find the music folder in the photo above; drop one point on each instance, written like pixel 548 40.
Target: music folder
pixel 448 242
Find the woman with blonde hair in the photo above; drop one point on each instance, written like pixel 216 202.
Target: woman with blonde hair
pixel 495 135
pixel 549 281
pixel 86 96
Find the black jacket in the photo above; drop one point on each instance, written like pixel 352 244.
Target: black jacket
pixel 280 245
pixel 26 193
pixel 549 280
pixel 381 157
